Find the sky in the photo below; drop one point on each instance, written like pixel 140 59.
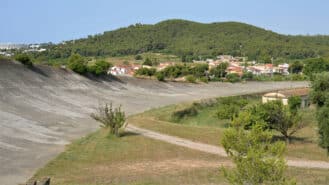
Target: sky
pixel 38 21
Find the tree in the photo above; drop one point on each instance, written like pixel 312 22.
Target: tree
pixel 320 96
pixel 77 64
pixel 279 117
pixel 199 70
pixel 296 67
pixel 233 77
pixel 314 66
pixel 110 118
pixel 294 103
pixel 220 70
pixel 24 59
pixel 258 160
pixel 99 68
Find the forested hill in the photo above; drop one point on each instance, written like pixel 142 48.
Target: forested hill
pixel 182 37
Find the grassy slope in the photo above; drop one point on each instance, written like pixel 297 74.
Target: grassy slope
pixel 135 160
pixel 206 128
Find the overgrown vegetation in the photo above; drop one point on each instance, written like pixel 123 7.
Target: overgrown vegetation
pixel 24 59
pixel 320 96
pixel 258 159
pixel 111 118
pixel 284 119
pixel 79 64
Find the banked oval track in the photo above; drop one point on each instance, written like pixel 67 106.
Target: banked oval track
pixel 44 108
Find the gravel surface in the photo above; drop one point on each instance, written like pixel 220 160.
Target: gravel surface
pixel 42 109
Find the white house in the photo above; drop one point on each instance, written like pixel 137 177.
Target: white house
pixel 284 96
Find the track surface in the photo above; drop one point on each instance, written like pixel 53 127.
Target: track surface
pixel 43 109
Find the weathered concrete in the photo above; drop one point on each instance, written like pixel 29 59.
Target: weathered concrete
pixel 42 109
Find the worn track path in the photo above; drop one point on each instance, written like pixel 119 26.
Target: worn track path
pixel 215 149
pixel 42 109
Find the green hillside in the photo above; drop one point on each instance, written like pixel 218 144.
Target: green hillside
pixel 182 37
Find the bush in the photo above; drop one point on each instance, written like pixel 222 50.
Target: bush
pixel 146 71
pixel 233 77
pixel 228 111
pixel 160 76
pixel 77 64
pixel 234 100
pixel 199 70
pixel 190 78
pixel 180 114
pixel 24 59
pixel 99 68
pixel 138 57
pixel 111 118
pixel 204 79
pixel 247 76
pixel 294 103
pixel 147 62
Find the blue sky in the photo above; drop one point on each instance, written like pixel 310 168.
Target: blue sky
pixel 33 21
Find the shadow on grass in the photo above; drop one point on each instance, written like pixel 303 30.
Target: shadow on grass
pixel 128 134
pixel 293 139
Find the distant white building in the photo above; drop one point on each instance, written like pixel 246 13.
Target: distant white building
pixel 284 96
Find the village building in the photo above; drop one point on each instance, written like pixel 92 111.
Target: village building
pixel 123 70
pixel 284 96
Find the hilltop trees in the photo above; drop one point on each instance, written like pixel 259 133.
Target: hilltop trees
pixel 320 96
pixel 192 40
pixel 258 160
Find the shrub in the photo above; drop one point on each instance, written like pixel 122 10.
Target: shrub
pixel 77 64
pixel 199 70
pixel 247 76
pixel 204 79
pixel 138 57
pixel 190 78
pixel 146 71
pixel 147 62
pixel 24 59
pixel 228 111
pixel 99 68
pixel 233 77
pixel 219 71
pixel 294 103
pixel 180 114
pixel 160 76
pixel 234 100
pixel 111 118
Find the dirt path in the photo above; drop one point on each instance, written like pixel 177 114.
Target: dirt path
pixel 215 149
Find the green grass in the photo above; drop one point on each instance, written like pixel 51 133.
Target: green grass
pixel 206 128
pixel 98 159
pixel 131 159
